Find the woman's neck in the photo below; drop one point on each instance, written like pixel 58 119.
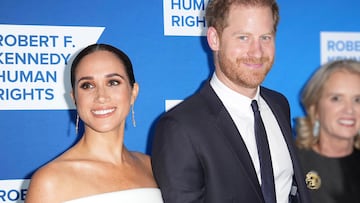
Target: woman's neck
pixel 334 149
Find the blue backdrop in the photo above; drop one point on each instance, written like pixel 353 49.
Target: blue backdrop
pixel 168 65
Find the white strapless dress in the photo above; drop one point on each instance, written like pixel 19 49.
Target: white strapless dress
pixel 138 195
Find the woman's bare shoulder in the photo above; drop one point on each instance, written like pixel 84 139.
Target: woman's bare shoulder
pixel 144 158
pixel 45 183
pixel 51 178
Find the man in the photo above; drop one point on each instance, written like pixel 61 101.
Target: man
pixel 205 150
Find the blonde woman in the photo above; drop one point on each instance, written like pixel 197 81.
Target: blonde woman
pixel 328 137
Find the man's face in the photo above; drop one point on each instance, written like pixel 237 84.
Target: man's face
pixel 246 48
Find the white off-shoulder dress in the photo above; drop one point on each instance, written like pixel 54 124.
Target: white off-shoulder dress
pixel 138 195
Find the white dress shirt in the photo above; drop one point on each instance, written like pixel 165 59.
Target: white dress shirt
pixel 239 107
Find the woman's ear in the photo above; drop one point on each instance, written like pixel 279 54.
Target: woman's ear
pixel 134 93
pixel 313 113
pixel 73 97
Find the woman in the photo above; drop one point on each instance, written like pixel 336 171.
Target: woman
pixel 328 138
pixel 98 168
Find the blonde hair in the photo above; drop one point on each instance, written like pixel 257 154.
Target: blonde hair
pixel 311 95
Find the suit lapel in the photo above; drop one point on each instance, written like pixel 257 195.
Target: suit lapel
pixel 228 130
pixel 235 143
pixel 283 120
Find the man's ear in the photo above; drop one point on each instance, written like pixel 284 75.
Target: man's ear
pixel 213 38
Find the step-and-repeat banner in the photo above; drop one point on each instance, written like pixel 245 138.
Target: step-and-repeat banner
pixel 165 41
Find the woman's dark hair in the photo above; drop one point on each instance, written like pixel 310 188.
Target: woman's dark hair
pixel 103 47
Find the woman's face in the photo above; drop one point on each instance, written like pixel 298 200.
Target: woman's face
pixel 102 92
pixel 339 107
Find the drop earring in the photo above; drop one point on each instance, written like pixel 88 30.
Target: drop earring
pixel 316 128
pixel 133 116
pixel 77 124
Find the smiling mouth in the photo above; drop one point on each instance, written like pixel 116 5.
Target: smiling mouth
pixel 347 122
pixel 103 111
pixel 254 65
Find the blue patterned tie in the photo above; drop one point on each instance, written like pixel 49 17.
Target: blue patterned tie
pixel 266 170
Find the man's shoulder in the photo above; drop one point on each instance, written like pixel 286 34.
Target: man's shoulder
pixel 200 104
pixel 190 104
pixel 270 94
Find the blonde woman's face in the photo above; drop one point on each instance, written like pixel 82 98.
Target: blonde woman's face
pixel 339 107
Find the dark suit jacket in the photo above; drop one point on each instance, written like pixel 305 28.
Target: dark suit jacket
pixel 199 156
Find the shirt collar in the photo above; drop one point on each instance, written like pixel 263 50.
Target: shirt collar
pixel 231 98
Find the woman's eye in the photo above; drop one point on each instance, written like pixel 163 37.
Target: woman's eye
pixel 113 83
pixel 357 100
pixel 335 98
pixel 86 85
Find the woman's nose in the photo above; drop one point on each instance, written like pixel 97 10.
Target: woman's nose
pixel 102 95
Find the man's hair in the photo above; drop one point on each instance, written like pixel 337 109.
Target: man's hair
pixel 217 11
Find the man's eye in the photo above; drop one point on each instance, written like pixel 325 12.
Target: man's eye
pixel 266 38
pixel 243 38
